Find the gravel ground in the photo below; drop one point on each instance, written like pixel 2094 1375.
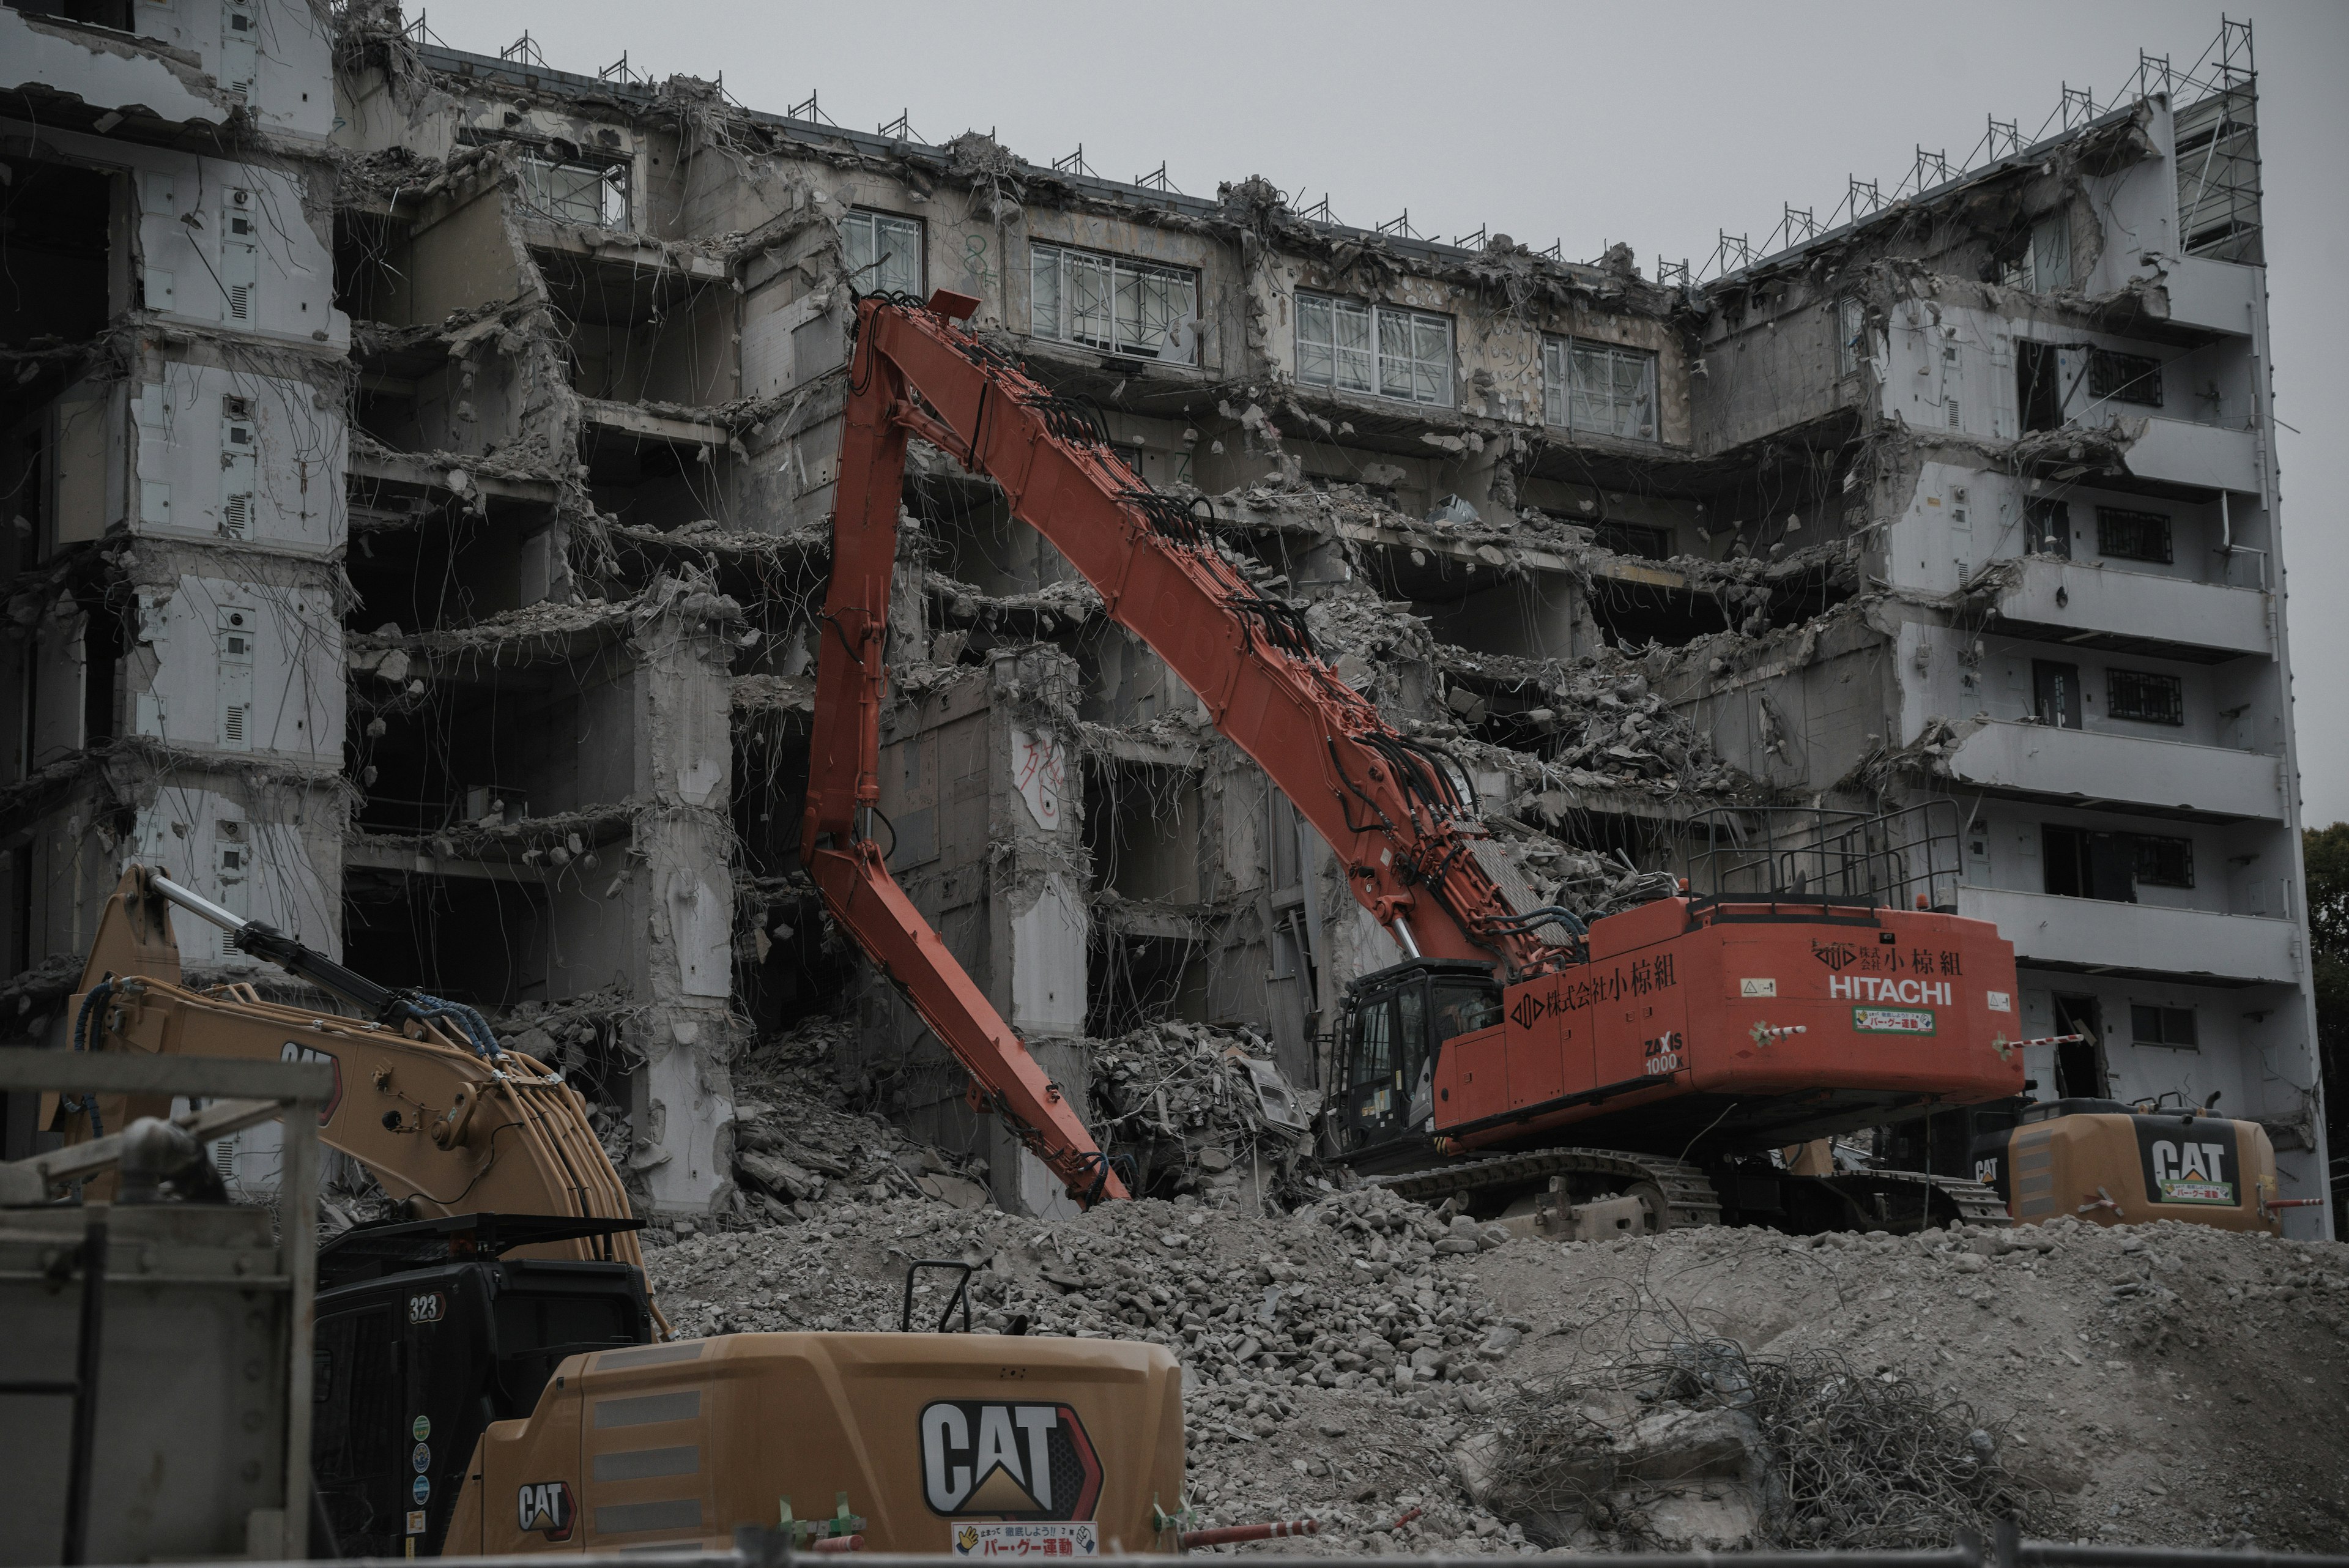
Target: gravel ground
pixel 2161 1384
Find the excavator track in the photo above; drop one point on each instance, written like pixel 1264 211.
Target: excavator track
pixel 1975 1204
pixel 1686 1189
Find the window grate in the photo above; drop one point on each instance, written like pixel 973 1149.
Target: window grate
pixel 2163 861
pixel 2125 378
pixel 1115 303
pixel 2144 697
pixel 2133 536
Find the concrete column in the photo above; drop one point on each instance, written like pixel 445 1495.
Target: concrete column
pixel 684 1108
pixel 977 782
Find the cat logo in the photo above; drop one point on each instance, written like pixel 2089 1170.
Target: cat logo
pixel 986 1459
pixel 2187 1172
pixel 544 1506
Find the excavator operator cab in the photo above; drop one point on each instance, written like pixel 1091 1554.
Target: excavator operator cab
pixel 426 1331
pixel 1393 1025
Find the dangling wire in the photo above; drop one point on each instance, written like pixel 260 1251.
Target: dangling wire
pixel 73 1105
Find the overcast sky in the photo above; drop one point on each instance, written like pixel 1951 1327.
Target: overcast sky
pixel 1660 124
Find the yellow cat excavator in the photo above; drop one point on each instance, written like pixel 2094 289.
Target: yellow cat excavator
pixel 495 1377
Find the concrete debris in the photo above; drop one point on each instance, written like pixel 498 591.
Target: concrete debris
pixel 796 1145
pixel 1201 1110
pixel 1359 1356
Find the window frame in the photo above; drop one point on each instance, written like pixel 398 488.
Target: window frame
pixel 873 218
pixel 2047 523
pixel 2149 850
pixel 2116 376
pixel 2166 1021
pixel 1559 389
pixel 1063 328
pixel 613 177
pixel 1379 323
pixel 2131 517
pixel 1646 541
pixel 2170 713
pixel 1851 329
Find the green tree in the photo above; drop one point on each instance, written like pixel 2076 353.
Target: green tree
pixel 2326 850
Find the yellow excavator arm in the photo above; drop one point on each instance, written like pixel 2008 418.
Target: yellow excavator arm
pixel 442 1116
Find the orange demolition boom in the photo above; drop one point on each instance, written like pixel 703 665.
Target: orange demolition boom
pixel 1666 1022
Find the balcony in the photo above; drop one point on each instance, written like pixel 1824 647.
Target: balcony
pixel 2135 612
pixel 2087 767
pixel 2202 457
pixel 2213 294
pixel 2089 936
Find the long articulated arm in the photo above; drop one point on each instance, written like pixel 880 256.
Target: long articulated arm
pixel 845 779
pixel 424 1096
pixel 1387 808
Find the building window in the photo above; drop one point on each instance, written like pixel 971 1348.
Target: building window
pixel 2049 524
pixel 2056 694
pixel 2133 536
pixel 1851 337
pixel 573 191
pixel 2039 387
pixel 1633 539
pixel 883 253
pixel 2081 864
pixel 1598 389
pixel 2125 378
pixel 2170 1026
pixel 1382 350
pixel 2144 697
pixel 2163 861
pixel 2047 266
pixel 1115 303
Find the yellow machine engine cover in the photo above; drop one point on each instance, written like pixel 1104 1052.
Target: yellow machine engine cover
pixel 2132 1168
pixel 985 1443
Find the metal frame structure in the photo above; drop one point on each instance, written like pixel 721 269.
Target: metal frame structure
pixel 2220 89
pixel 1814 856
pixel 278 1087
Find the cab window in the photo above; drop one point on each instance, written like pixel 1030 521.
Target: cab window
pixel 1375 1053
pixel 1464 1007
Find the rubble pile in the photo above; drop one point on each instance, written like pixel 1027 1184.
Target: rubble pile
pixel 797 1145
pixel 1592 722
pixel 1693 1440
pixel 1201 1110
pixel 1360 1357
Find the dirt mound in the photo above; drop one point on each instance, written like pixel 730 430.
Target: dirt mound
pixel 1350 1360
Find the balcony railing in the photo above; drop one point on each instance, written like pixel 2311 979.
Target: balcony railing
pixel 1804 855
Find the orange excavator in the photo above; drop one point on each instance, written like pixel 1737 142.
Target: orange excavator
pixel 1680 1041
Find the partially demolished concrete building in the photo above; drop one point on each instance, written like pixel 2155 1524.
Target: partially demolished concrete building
pixel 421 462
